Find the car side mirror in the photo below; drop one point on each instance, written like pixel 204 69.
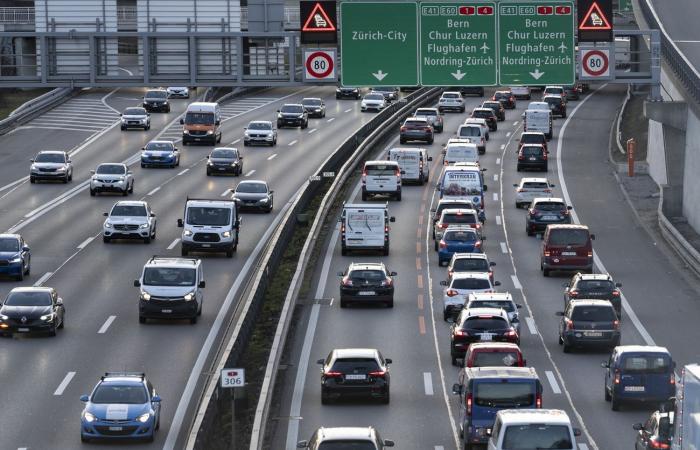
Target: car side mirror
pixel 388 443
pixel 31 160
pixel 403 172
pixel 179 223
pixel 240 157
pixel 302 444
pixel 492 264
pixel 433 210
pixel 393 274
pixel 278 110
pixel 486 188
pixel 84 398
pixel 272 192
pixel 202 284
pixel 618 284
pixel 593 237
pixel 70 161
pixel 182 121
pixel 137 283
pixel 153 214
pixel 148 114
pixel 156 398
pixel 518 305
pixel 456 389
pixel 129 172
pixel 605 365
pixel 392 219
pixel 496 283
pixel 515 184
pixel 566 285
pixel 59 301
pixel 25 248
pixel 559 313
pixel 92 172
pixel 430 158
pixel 638 427
pixel 551 185
pixel 143 148
pixel 443 283
pixel 217 123
pixel 577 432
pixel 569 208
pixel 483 238
pixel 120 115
pixel 388 360
pixel 320 361
pixel 341 274
pixel 245 128
pixel 524 362
pixel 106 214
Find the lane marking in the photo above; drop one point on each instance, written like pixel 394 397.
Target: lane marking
pixel 498 220
pixel 108 322
pixel 153 191
pixel 236 141
pixel 43 278
pixel 582 446
pixel 531 325
pixel 495 177
pixel 225 193
pixel 495 197
pixel 421 324
pixel 250 173
pixel 347 110
pixel 8 186
pixel 420 220
pixel 516 282
pixel 503 146
pixel 420 301
pixel 173 244
pixel 64 384
pixel 419 281
pixel 272 156
pixel 439 447
pixel 292 143
pixel 331 119
pixel 86 242
pixel 418 249
pixel 183 172
pixel 515 123
pixel 418 264
pixel 552 381
pixel 508 134
pixel 428 383
pixel 312 131
pixel 498 161
pixel 504 248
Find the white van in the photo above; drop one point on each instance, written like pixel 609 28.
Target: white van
pixel 413 162
pixel 381 178
pixel 474 133
pixel 538 120
pixel 532 428
pixel 201 123
pixel 460 151
pixel 210 226
pixel 464 181
pixel 364 227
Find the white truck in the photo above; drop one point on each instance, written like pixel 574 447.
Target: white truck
pixel 686 423
pixel 364 227
pixel 210 226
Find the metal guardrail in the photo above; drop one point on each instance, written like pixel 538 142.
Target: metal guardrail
pixel 34 107
pixel 17 15
pixel 677 241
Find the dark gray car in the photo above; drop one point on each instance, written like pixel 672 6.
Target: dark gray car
pixel 589 323
pixel 224 160
pixel 253 194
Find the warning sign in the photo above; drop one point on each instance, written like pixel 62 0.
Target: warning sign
pixel 595 21
pixel 318 22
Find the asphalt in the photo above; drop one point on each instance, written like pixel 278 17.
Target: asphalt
pixel 678 18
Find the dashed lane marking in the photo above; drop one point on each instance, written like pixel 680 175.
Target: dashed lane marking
pixel 498 220
pixel 428 383
pixel 272 156
pixel 105 326
pixel 86 242
pixel 250 173
pixel 552 381
pixel 531 325
pixel 64 384
pixel 516 282
pixel 43 278
pixel 504 248
pixel 173 244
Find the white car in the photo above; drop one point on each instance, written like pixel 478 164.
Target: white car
pixel 501 300
pixel 469 262
pixel 51 165
pixel 260 132
pixel 458 288
pixel 178 92
pixel 481 122
pixel 136 117
pixel 554 90
pixel 112 177
pixel 373 101
pixel 521 92
pixel 531 188
pixel 129 220
pixel 451 101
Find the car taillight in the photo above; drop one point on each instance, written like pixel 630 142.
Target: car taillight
pixel 377 374
pixel 538 401
pixel 512 333
pixel 655 443
pixel 672 379
pixel 544 155
pixel 342 229
pixel 569 324
pixel 512 99
pixel 404 128
pixel 590 254
pixel 521 156
pixel 616 293
pixel 477 244
pixel 347 281
pixel 565 212
pixel 617 376
pixel 573 293
pixel 548 191
pixel 443 244
pixel 522 190
pixel 444 225
pixel 387 282
pixel 333 374
pixel 449 273
pixel 470 401
pixel 461 333
pixel 616 324
pixel 427 129
pixel 547 253
pixel 451 293
pixel 386 229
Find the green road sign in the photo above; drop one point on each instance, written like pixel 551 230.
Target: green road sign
pixel 536 43
pixel 458 43
pixel 379 44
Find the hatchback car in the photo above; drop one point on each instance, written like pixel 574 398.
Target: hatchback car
pixel 494 354
pixel 254 194
pixel 480 325
pixel 51 165
pixel 598 285
pixel 497 108
pixel 478 121
pixel 156 100
pixel 292 115
pixel 355 372
pixel 433 116
pixel 501 300
pixel 458 288
pixel 390 93
pixel 122 406
pixel 315 107
pixel 129 220
pixel 343 437
pixel 521 92
pixel 532 157
pixel 506 98
pixel 656 432
pixel 488 115
pixel 373 101
pixel 470 262
pixel 224 160
pixel 557 105
pixel 588 323
pixel 368 283
pixel 554 90
pixel 135 118
pixel 451 101
pixel 15 256
pixel 32 310
pixel 260 132
pixel 178 92
pixel 545 211
pixel 449 203
pixel 160 154
pixel 572 92
pixel 111 177
pixel 452 216
pixel 531 188
pixel 416 129
pixel 458 239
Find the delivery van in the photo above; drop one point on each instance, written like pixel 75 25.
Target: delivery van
pixel 464 181
pixel 201 123
pixel 364 227
pixel 381 178
pixel 413 162
pixel 538 120
pixel 460 151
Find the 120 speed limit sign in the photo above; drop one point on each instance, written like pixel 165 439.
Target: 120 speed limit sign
pixel 595 63
pixel 319 65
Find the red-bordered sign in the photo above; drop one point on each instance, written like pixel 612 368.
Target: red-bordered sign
pixel 595 19
pixel 319 64
pixel 595 63
pixel 318 20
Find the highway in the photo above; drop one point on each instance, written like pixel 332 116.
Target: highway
pixel 43 377
pixel 679 22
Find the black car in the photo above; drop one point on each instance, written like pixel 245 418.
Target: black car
pixel 468 90
pixel 532 137
pixel 589 323
pixel 416 129
pixel 315 107
pixel 32 309
pixel 347 92
pixel 292 115
pixel 572 92
pixel 480 325
pixel 598 286
pixel 656 432
pixel 488 115
pixel 355 372
pixel 254 195
pixel 390 93
pixel 497 108
pixel 532 156
pixel 368 283
pixel 546 211
pixel 156 100
pixel 556 104
pixel 224 160
pixel 506 98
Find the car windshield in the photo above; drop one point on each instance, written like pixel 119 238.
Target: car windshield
pixel 416 123
pixel 535 185
pixel 109 393
pixel 311 102
pixel 646 364
pixel 460 236
pixel 504 395
pixel 532 139
pixel 595 285
pixel 485 323
pixel 593 314
pixel 497 359
pixel 469 131
pixel 450 96
pixel 169 276
pixel 568 237
pixel 259 126
pixel 199 118
pixel 347 444
pixel 129 210
pixel 28 299
pixel 536 437
pixel 9 245
pixel 482 113
pixel 503 304
pixel 160 146
pixel 374 97
pixel 471 283
pixel 135 112
pixel 531 150
pixel 380 169
pixel 156 94
pixel 111 169
pixel 252 188
pixel 461 205
pixel 50 158
pixel 459 218
pixel 296 109
pixel 383 89
pixel 225 154
pixel 470 265
pixel 368 275
pixel 202 215
pixel 355 365
pixel 504 95
pixel 550 206
pixel 553 100
pixel 426 112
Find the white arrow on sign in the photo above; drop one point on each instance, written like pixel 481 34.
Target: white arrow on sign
pixel 380 75
pixel 458 75
pixel 536 74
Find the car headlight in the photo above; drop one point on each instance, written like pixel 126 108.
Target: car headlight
pixel 60 169
pixel 108 224
pixel 47 317
pixel 89 417
pixel 187 233
pixel 144 225
pixel 337 89
pixel 185 131
pixel 264 200
pixel 209 163
pixel 210 131
pixel 145 296
pixel 144 120
pixel 123 119
pixel 4 317
pixel 189 297
pixel 122 178
pixel 301 116
pixel 226 234
pixel 16 259
pixel 234 164
pixel 143 418
pixel 246 134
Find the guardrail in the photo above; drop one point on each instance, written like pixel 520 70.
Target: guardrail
pixel 676 240
pixel 17 15
pixel 34 107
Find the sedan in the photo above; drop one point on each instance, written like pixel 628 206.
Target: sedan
pixel 178 92
pixel 253 194
pixel 531 188
pixel 51 165
pixel 32 309
pixel 315 107
pixel 135 118
pixel 15 256
pixel 458 239
pixel 389 93
pixel 373 101
pixel 293 115
pixel 160 154
pixel 224 160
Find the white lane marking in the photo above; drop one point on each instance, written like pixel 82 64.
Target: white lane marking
pixel 347 110
pixel 439 447
pixel 495 197
pixel 108 322
pixel 126 70
pixel 235 142
pixel 60 199
pixel 531 325
pixel 8 186
pixel 22 448
pixel 313 130
pixel 182 172
pixel 581 445
pixel 495 177
pixel 503 146
pixel 498 161
pixel 86 242
pixel 173 244
pixel 428 383
pixel 498 220
pixel 331 119
pixel 516 282
pixel 272 156
pixel 153 191
pixel 104 99
pixel 504 248
pixel 225 193
pixel 292 143
pixel 43 278
pixel 250 173
pixel 515 124
pixel 64 384
pixel 508 134
pixel 552 381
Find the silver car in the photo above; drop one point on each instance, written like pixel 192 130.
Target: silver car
pixel 111 177
pixel 129 220
pixel 373 100
pixel 253 194
pixel 451 101
pixel 178 92
pixel 260 132
pixel 135 118
pixel 51 165
pixel 531 188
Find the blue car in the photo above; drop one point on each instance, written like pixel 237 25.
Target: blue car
pixel 160 153
pixel 15 257
pixel 458 239
pixel 123 406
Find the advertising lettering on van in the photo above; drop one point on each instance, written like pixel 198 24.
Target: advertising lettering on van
pixel 461 184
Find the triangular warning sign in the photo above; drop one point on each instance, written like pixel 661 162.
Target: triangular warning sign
pixel 318 20
pixel 594 19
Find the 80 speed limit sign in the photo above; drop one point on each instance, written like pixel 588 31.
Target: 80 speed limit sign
pixel 319 65
pixel 595 64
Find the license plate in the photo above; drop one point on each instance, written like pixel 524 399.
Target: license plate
pixel 222 168
pixel 24 330
pixel 533 158
pixel 115 428
pixel 486 336
pixel 355 377
pixel 593 333
pixel 368 293
pixel 549 217
pixel 568 253
pixel 634 389
pixel 166 311
pixel 206 245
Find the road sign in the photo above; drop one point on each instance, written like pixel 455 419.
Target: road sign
pixel 232 378
pixel 318 22
pixel 458 44
pixel 536 43
pixel 595 21
pixel 319 65
pixel 379 42
pixel 595 64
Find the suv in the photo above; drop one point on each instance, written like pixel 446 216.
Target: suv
pixel 453 216
pixel 532 428
pixel 355 437
pixel 171 288
pixel 531 188
pixel 566 247
pixel 554 90
pixel 51 165
pixel 533 137
pixel 458 288
pixel 351 92
pixel 470 262
pixel 433 116
pixel 123 406
pixel 367 282
pixel 571 92
pixel 546 211
pixel 458 239
pixel 494 354
pixel 501 300
pixel 506 98
pixel 416 129
pixel 160 153
pixel 451 101
pixel 381 178
pixel 557 105
pixel 224 160
pixel 389 93
pixel 488 115
pixel 532 156
pixel 32 310
pixel 315 107
pixel 588 323
pixel 135 118
pixel 293 115
pixel 373 100
pixel 355 372
pixel 480 325
pixel 156 100
pixel 599 285
pixel 112 177
pixel 254 194
pixel 129 220
pixel 497 108
pixel 260 132
pixel 15 256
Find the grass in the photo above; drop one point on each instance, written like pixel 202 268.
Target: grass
pixel 11 99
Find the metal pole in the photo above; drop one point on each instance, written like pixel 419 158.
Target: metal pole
pixel 631 144
pixel 233 418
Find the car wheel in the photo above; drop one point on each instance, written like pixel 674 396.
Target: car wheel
pixel 29 267
pixel 63 322
pixel 142 319
pixel 193 320
pixel 364 197
pixel 84 439
pixel 545 272
pixel 106 239
pixel 32 180
pixel 167 110
pixel 385 252
pixel 454 360
pixel 122 128
pixel 402 141
pixel 143 166
pixel 52 331
pixel 183 251
pixel 208 172
pixel 147 240
pixel 20 276
pixel 390 304
pixel 431 140
pixel 565 347
pixel 398 197
pixel 343 303
pixel 343 251
pixel 65 179
pixel 614 403
pixel 325 398
pixel 387 398
pixel 445 316
pixel 131 189
pixel 528 231
pixel 125 192
pixel 70 177
pixel 518 168
pixel 608 397
pixel 229 253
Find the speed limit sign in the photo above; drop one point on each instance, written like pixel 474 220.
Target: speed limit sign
pixel 319 65
pixel 595 63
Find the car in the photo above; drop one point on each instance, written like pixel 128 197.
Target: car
pixel 458 239
pixel 347 92
pixel 122 406
pixel 260 132
pixel 15 256
pixel 381 177
pixel 32 310
pixel 468 90
pixel 389 93
pixel 111 177
pixel 156 100
pixel 494 354
pixel 458 150
pixel 475 134
pixel 538 106
pixel 497 108
pixel 572 92
pixel 545 211
pixel 224 160
pixel 135 118
pixel 594 285
pixel 532 156
pixel 129 220
pixel 451 101
pixel 488 115
pixel 458 288
pixel 454 216
pixel 557 105
pixel 171 288
pixel 433 116
pixel 373 101
pixel 521 92
pixel 449 203
pixel 49 165
pixel 470 262
pixel 554 90
pixel 293 115
pixel 501 300
pixel 531 188
pixel 506 98
pixel 480 325
pixel 254 194
pixel 533 137
pixel 367 283
pixel 656 432
pixel 588 323
pixel 315 107
pixel 160 154
pixel 566 247
pixel 178 92
pixel 481 122
pixel 355 437
pixel 416 129
pixel 533 429
pixel 355 372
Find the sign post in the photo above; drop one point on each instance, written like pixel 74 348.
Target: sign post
pixel 233 378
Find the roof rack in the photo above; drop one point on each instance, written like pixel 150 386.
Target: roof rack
pixel 157 258
pixel 210 200
pixel 123 374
